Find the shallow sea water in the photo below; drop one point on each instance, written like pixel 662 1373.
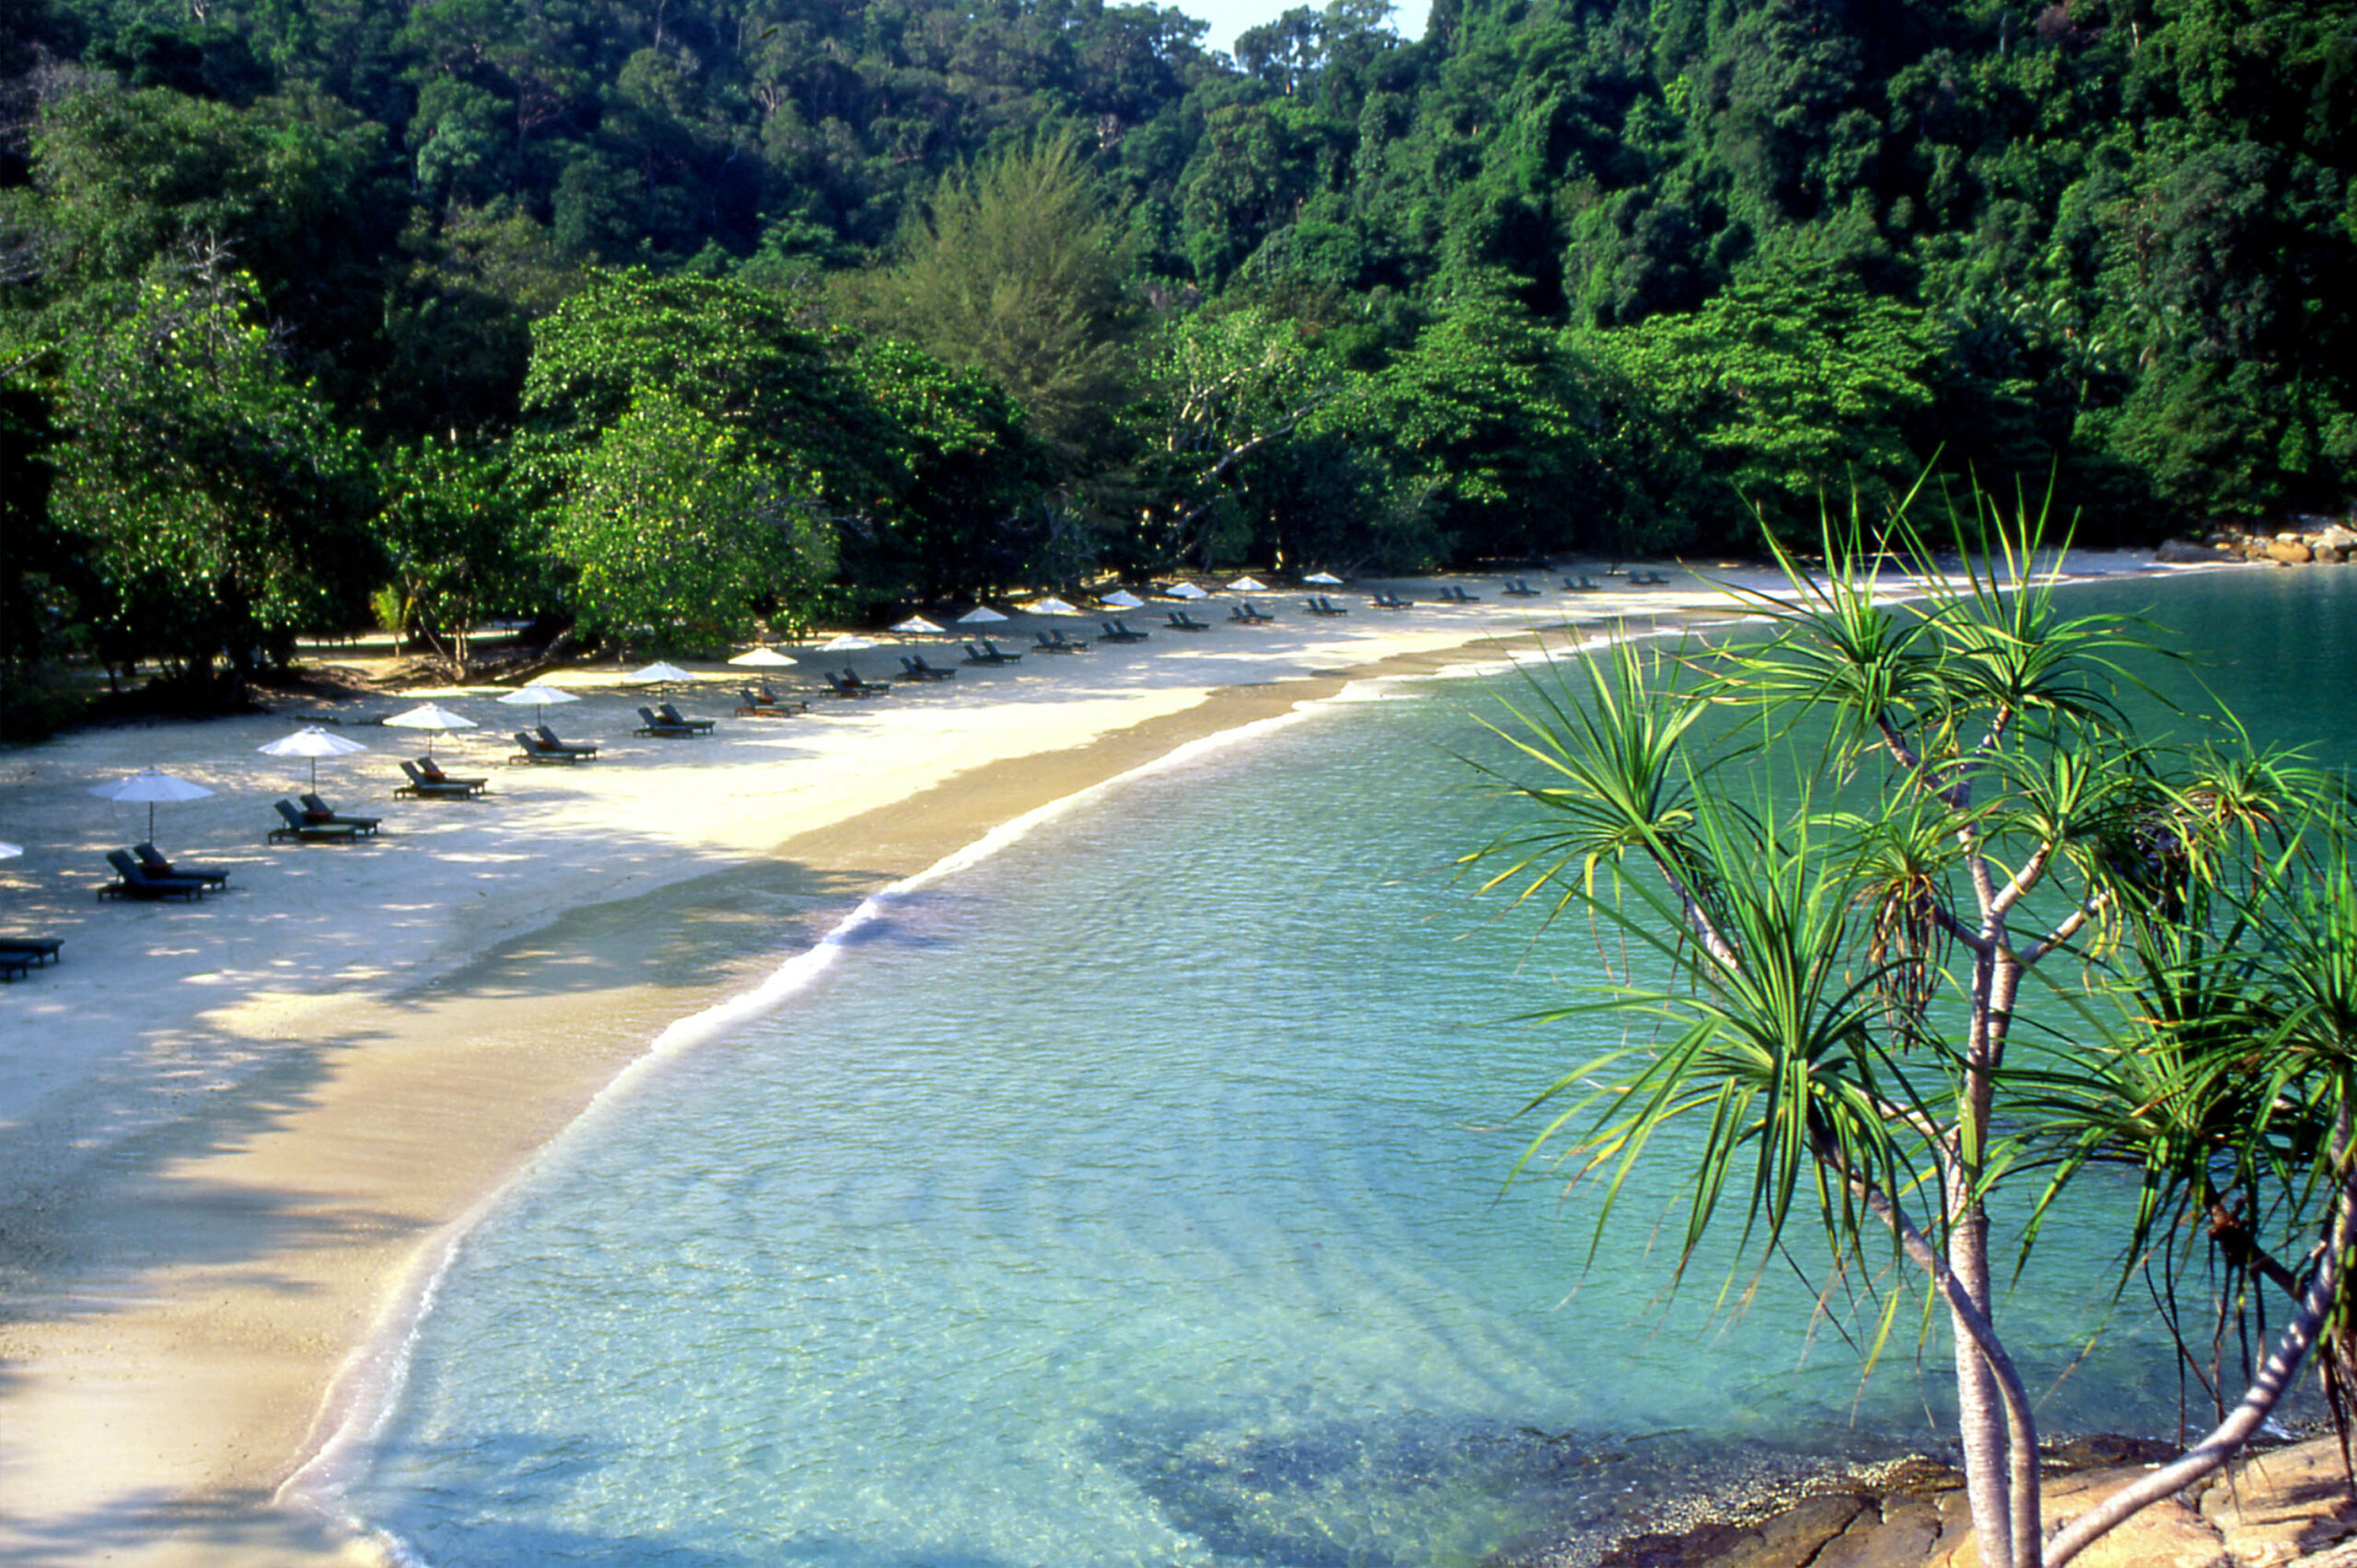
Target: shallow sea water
pixel 1139 1196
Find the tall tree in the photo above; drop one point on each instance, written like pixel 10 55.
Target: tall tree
pixel 1020 269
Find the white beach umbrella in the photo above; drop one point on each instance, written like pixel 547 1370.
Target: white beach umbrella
pixel 151 784
pixel 539 698
pixel 433 718
pixel 848 643
pixel 918 625
pixel 1324 579
pixel 658 674
pixel 980 615
pixel 1248 586
pixel 1186 590
pixel 314 743
pixel 1052 606
pixel 11 851
pixel 762 659
pixel 1121 599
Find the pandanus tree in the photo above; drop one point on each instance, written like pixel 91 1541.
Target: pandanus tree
pixel 1936 928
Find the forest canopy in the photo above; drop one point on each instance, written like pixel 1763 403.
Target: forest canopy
pixel 316 310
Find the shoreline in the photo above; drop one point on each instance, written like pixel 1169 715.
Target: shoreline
pixel 205 1273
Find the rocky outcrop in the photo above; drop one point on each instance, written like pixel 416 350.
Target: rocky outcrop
pixel 2320 543
pixel 2288 1507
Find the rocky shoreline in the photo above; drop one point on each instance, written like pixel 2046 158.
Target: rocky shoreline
pixel 2286 1508
pixel 2323 544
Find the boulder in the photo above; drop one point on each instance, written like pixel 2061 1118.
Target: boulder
pixel 2184 552
pixel 2289 549
pixel 2336 538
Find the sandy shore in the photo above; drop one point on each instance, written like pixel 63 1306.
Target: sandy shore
pixel 235 1128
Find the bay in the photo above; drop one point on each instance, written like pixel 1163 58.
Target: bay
pixel 1141 1196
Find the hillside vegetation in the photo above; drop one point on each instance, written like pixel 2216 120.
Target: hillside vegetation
pixel 658 318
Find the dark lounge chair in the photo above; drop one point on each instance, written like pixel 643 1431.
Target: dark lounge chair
pixel 318 810
pixel 1056 644
pixel 1182 622
pixel 650 723
pixel 1386 599
pixel 1456 594
pixel 915 669
pixel 152 861
pixel 21 955
pixel 1118 632
pixel 1516 588
pixel 672 716
pixel 1585 586
pixel 849 684
pixel 764 704
pixel 1247 613
pixel 296 828
pixel 137 882
pixel 578 747
pixel 428 783
pixel 530 747
pixel 990 652
pixel 1321 604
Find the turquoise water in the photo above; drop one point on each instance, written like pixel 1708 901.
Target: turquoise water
pixel 1138 1196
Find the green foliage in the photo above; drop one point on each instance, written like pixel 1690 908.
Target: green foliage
pixel 455 537
pixel 1018 269
pixel 681 533
pixel 1790 383
pixel 226 510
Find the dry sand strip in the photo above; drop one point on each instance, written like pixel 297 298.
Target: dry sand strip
pixel 234 1129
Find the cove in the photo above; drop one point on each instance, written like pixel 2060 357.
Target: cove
pixel 1138 1195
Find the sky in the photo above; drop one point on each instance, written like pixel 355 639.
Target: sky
pixel 1229 17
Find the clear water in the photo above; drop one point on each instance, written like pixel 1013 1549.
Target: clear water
pixel 1139 1196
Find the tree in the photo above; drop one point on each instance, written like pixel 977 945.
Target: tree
pixel 453 532
pixel 682 532
pixel 1018 269
pixel 227 511
pixel 1959 809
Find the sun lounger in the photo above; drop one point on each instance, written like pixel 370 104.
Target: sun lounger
pixel 766 706
pixel 1516 588
pixel 1585 586
pixel 849 684
pixel 1247 613
pixel 990 652
pixel 1321 604
pixel 152 861
pixel 1456 594
pixel 578 747
pixel 21 957
pixel 436 785
pixel 650 723
pixel 1058 645
pixel 1386 599
pixel 1118 632
pixel 1182 622
pixel 137 882
pixel 530 747
pixel 670 715
pixel 318 810
pixel 915 669
pixel 296 828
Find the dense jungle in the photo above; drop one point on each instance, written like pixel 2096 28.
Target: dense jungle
pixel 659 319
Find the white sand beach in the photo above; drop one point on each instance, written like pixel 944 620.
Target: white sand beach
pixel 234 1127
